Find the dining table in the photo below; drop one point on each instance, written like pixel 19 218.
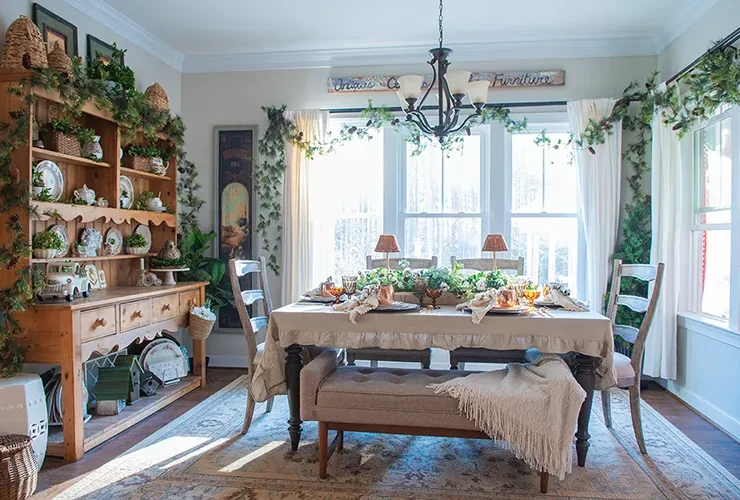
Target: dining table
pixel 586 338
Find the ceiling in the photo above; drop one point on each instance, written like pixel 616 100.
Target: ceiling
pixel 199 32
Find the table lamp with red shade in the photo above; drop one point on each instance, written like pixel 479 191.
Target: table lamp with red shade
pixel 387 244
pixel 495 243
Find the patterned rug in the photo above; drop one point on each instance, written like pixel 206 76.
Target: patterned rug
pixel 202 455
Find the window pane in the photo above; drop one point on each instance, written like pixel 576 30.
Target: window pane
pixel 424 180
pixel 715 158
pixel 462 178
pixel 549 247
pixel 443 237
pixel 560 178
pixel 715 273
pixel 526 174
pixel 355 239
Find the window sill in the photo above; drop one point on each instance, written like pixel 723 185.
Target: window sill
pixel 710 327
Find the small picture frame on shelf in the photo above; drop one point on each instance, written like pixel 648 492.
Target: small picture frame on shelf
pixel 55 29
pixel 102 283
pixel 98 48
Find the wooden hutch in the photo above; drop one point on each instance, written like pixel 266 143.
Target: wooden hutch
pixel 69 333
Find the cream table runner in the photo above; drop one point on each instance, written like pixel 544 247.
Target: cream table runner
pixel 587 333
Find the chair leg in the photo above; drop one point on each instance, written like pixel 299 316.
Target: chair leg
pixel 340 440
pixel 270 402
pixel 426 361
pixel 544 480
pixel 606 405
pixel 323 449
pixel 350 358
pixel 462 365
pixel 373 363
pixel 636 418
pixel 248 414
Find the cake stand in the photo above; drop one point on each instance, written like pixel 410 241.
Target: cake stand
pixel 169 274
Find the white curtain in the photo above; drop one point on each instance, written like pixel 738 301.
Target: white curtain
pixel 599 179
pixel 667 194
pixel 296 233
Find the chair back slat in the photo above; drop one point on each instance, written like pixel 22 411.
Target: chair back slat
pixel 487 264
pixel 244 298
pixel 644 272
pixel 628 333
pixel 251 296
pixel 637 304
pixel 414 263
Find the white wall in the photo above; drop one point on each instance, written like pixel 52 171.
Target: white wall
pixel 235 99
pixel 707 354
pixel 148 69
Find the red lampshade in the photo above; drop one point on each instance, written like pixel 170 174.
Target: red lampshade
pixel 495 243
pixel 387 244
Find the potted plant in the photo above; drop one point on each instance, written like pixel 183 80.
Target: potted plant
pixel 135 244
pixel 90 144
pixel 141 157
pixel 60 136
pixel 202 319
pixel 46 244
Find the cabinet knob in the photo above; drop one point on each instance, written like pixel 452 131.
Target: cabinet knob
pixel 100 322
pixel 191 303
pixel 136 314
pixel 166 307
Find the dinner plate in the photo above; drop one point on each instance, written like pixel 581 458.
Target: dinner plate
pixel 114 238
pixel 511 311
pixel 147 234
pixel 318 299
pixel 164 358
pixel 126 186
pixel 64 236
pixel 52 178
pixel 396 307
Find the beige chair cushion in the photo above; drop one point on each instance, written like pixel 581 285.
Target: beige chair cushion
pixel 387 396
pixel 625 372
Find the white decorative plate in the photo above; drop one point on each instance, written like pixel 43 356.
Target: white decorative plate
pixel 147 234
pixel 53 178
pixel 114 238
pixel 126 186
pixel 92 239
pixel 64 235
pixel 164 358
pixel 92 275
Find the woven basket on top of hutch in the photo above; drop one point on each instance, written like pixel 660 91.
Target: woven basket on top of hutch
pixel 68 333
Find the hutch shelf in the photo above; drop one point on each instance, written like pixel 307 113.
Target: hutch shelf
pixel 67 334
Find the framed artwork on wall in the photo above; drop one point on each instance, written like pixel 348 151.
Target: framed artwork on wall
pixel 234 154
pixel 96 47
pixel 54 29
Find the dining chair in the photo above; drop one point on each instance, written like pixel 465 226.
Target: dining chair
pixel 629 369
pixel 461 355
pixel 374 354
pixel 251 325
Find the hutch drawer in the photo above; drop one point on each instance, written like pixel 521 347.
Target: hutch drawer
pixel 136 314
pixel 188 300
pixel 165 307
pixel 97 323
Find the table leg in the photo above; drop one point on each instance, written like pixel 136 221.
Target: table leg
pixel 293 366
pixel 585 374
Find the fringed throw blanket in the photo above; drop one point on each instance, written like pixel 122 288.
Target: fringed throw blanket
pixel 532 407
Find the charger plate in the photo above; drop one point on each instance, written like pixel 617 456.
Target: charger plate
pixel 396 307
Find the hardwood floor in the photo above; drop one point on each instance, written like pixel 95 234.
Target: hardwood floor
pixel 712 440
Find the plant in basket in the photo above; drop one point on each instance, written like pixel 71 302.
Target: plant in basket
pixel 135 244
pixel 60 136
pixel 46 244
pixel 202 319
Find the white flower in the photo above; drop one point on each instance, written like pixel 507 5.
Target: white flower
pixel 444 286
pixel 361 274
pixel 480 285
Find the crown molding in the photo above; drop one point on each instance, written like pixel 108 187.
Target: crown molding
pixel 636 45
pixel 122 25
pixel 691 12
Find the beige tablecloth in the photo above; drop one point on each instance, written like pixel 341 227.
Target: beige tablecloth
pixel 308 324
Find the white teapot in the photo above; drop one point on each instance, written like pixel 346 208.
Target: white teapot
pixel 155 204
pixel 86 194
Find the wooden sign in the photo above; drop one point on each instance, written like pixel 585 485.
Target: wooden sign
pixel 499 80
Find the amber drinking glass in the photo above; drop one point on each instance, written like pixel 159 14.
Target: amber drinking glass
pixel 531 296
pixel 337 292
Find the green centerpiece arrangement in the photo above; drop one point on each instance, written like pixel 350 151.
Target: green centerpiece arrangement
pixel 46 244
pixel 135 244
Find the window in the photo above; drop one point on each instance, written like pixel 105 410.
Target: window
pixel 544 214
pixel 442 213
pixel 711 231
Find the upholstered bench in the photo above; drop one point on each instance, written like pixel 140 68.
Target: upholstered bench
pixel 382 400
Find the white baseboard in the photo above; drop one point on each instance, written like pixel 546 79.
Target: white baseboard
pixel 727 422
pixel 218 361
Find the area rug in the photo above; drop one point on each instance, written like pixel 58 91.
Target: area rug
pixel 202 455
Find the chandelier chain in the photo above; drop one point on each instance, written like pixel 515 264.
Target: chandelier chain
pixel 440 24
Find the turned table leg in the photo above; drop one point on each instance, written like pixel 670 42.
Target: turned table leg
pixel 585 375
pixel 293 366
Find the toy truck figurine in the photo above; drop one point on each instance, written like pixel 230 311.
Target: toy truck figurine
pixel 64 281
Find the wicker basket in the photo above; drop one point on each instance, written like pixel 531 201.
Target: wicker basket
pixel 24 47
pixel 136 162
pixel 18 471
pixel 200 328
pixel 62 143
pixel 158 97
pixel 59 61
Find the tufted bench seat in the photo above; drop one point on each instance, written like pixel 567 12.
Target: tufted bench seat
pixel 383 400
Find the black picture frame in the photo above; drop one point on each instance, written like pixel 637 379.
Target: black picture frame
pixel 58 29
pixel 97 47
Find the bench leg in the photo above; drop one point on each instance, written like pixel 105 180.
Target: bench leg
pixel 544 480
pixel 323 448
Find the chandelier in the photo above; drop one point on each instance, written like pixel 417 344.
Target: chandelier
pixel 452 87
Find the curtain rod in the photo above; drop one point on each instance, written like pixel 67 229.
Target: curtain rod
pixel 467 106
pixel 721 45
